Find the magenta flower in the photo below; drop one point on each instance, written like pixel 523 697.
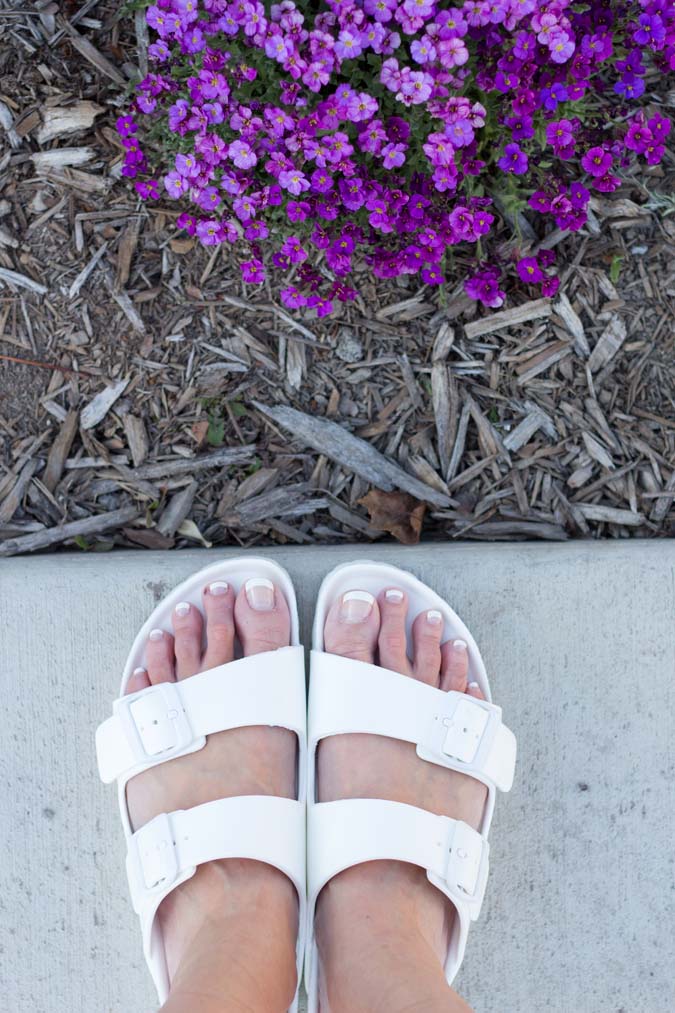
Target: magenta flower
pixel 529 270
pixel 242 154
pixel 208 232
pixel 253 271
pixel 514 160
pixel 597 161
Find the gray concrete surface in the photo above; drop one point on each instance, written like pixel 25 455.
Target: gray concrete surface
pixel 578 639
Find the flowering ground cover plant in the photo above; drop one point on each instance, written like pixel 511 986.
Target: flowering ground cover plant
pixel 316 135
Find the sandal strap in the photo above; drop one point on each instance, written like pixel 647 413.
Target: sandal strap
pixel 451 729
pixel 171 719
pixel 349 832
pixel 167 851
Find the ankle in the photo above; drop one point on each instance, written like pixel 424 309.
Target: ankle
pixel 382 932
pixel 219 953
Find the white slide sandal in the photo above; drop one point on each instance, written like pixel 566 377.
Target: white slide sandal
pixel 168 720
pixel 451 729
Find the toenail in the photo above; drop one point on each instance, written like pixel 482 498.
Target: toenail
pixel 474 685
pixel 182 608
pixel 393 594
pixel 156 634
pixel 260 594
pixel 460 645
pixel 218 587
pixel 434 617
pixel 356 606
pixel 139 671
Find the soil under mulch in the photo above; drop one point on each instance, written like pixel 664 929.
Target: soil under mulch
pixel 159 402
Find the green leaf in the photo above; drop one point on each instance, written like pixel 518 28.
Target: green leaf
pixel 237 409
pixel 215 434
pixel 615 268
pixel 81 542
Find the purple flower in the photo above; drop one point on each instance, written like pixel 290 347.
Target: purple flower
pixel 294 250
pixel 514 160
pixel 294 181
pixel 175 184
pixel 253 271
pixel 242 154
pixel 529 270
pixel 208 232
pixel 597 161
pixel 292 299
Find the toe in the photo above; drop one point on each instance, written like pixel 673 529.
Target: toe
pixel 427 630
pixel 392 641
pixel 160 656
pixel 262 617
pixel 138 680
pixel 219 609
pixel 187 634
pixel 454 666
pixel 473 689
pixel 352 626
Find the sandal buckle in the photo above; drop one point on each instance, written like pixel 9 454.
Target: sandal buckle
pixel 469 729
pixel 155 722
pixel 468 865
pixel 152 859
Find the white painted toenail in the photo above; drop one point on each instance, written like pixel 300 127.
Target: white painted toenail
pixel 156 634
pixel 460 645
pixel 474 685
pixel 356 606
pixel 434 617
pixel 393 594
pixel 182 608
pixel 139 671
pixel 218 587
pixel 260 594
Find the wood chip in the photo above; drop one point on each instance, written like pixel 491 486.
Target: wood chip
pixel 137 438
pixel 177 510
pixel 59 120
pixel 572 322
pixel 59 158
pixel 445 400
pixel 90 53
pixel 101 404
pixel 12 501
pixel 59 451
pixel 22 281
pixel 608 344
pixel 64 532
pixel 535 310
pixel 351 452
pixel 79 281
pixel 610 515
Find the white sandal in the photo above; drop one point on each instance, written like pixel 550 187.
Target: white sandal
pixel 171 719
pixel 451 729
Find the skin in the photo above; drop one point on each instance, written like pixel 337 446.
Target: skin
pixel 382 928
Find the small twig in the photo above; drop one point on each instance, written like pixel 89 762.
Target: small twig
pixel 48 365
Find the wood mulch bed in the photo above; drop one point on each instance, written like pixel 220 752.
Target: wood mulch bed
pixel 149 399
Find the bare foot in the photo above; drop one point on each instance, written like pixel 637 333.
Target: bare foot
pixel 384 913
pixel 220 909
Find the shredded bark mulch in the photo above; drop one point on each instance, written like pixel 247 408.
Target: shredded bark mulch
pixel 150 399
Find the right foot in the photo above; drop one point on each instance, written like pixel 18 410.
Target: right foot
pixel 384 920
pixel 215 917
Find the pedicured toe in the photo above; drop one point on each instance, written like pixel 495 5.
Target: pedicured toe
pixel 426 635
pixel 352 626
pixel 454 666
pixel 262 617
pixel 160 657
pixel 218 600
pixel 392 642
pixel 187 634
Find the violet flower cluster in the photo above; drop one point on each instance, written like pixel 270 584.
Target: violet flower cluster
pixel 321 135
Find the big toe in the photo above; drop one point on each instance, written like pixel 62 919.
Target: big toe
pixel 352 626
pixel 262 617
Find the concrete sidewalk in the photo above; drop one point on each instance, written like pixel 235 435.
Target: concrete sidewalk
pixel 578 640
